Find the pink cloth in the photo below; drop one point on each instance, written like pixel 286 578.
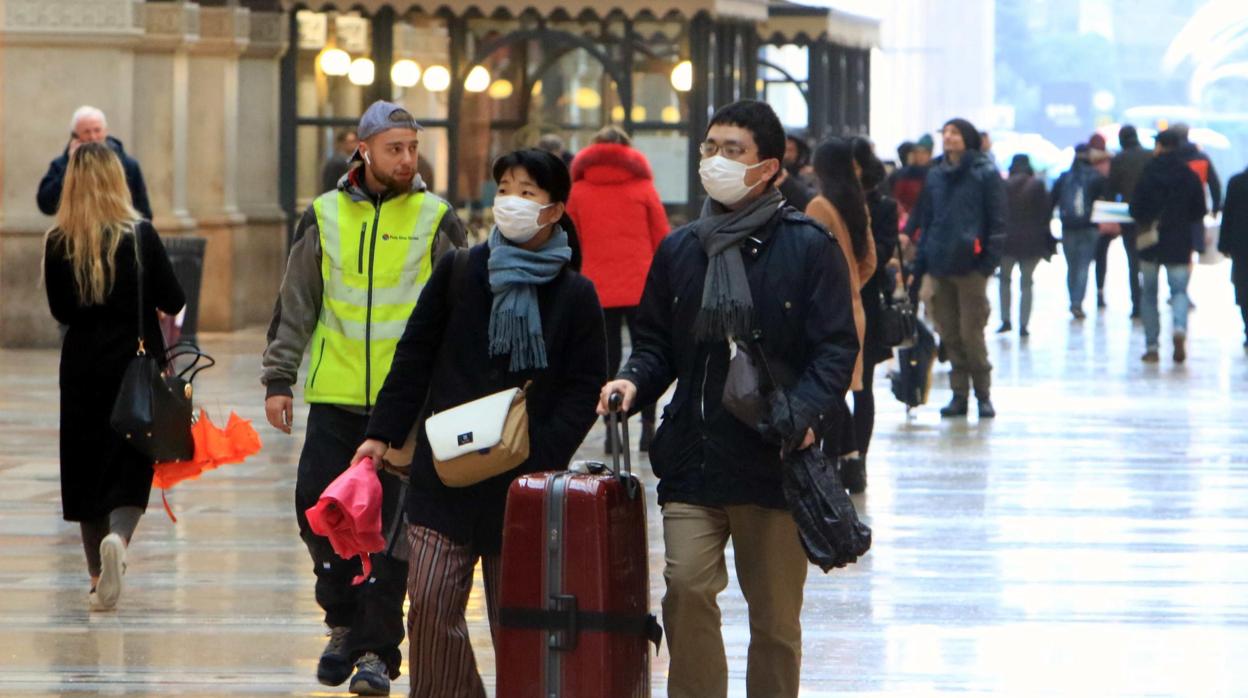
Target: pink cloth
pixel 349 515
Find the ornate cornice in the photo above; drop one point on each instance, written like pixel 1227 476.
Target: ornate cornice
pixel 223 30
pixel 269 35
pixel 169 26
pixel 71 22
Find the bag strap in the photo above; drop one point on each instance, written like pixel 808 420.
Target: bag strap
pixel 138 270
pixel 459 267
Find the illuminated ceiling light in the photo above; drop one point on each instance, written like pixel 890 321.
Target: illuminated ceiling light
pixel 1103 100
pixel 639 113
pixel 405 73
pixel 760 86
pixel 537 89
pixel 437 78
pixel 670 115
pixel 478 79
pixel 334 61
pixel 682 76
pixel 501 89
pixel 362 72
pixel 587 98
pixel 617 113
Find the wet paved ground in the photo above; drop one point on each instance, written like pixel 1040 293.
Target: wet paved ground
pixel 1093 540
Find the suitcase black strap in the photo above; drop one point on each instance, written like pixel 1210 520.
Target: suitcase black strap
pixel 570 622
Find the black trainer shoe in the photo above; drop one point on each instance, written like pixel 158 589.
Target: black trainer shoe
pixel 1005 327
pixel 1180 347
pixel 1077 312
pixel 335 665
pixel 986 410
pixel 854 474
pixel 372 678
pixel 957 407
pixel 1024 333
pixel 1100 300
pixel 1151 356
pixel 647 436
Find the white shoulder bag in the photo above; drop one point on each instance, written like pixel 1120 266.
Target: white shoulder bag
pixel 480 439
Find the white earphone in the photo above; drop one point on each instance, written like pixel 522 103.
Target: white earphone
pixel 367 161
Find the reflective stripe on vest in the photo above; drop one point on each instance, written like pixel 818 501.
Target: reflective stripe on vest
pixel 374 264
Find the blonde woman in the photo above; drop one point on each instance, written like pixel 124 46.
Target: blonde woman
pixel 92 262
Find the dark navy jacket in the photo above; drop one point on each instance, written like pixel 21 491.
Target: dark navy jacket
pixel 960 218
pixel 1170 194
pixel 799 281
pixel 49 196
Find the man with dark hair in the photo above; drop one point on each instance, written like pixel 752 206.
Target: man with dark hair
pixel 1168 201
pixel 750 272
pixel 1124 173
pixel 961 214
pixel 339 161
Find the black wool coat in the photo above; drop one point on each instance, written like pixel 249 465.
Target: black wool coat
pixel 1170 194
pixel 443 361
pixel 49 195
pixel 799 281
pixel 99 470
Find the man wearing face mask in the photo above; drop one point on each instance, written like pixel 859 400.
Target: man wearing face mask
pixel 750 270
pixel 361 256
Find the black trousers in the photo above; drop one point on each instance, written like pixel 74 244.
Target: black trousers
pixel 864 410
pixel 1133 261
pixel 373 610
pixel 616 319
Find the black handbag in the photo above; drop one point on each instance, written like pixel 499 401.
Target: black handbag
pixel 152 410
pixel 898 323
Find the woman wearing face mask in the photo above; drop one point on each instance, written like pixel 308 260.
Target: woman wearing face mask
pixel 515 312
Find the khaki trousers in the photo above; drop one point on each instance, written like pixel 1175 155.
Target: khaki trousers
pixel 960 308
pixel 771 569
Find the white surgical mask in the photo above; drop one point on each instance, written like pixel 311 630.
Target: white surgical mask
pixel 724 179
pixel 516 217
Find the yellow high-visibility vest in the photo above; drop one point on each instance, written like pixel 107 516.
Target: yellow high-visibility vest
pixel 374 264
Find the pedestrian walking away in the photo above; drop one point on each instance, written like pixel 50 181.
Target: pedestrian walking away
pixel 620 220
pixel 1028 240
pixel 1073 197
pixel 93 260
pixel 89 125
pixel 1168 201
pixel 1124 173
pixel 1233 240
pixel 516 314
pixel 748 268
pixel 961 214
pixel 382 231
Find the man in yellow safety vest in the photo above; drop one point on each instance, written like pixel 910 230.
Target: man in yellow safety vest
pixel 361 256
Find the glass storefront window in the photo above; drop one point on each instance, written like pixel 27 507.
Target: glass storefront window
pixel 668 153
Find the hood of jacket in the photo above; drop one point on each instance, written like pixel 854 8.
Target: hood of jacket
pixel 610 163
pixel 352 183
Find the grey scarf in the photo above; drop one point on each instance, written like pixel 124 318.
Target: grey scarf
pixel 727 305
pixel 515 274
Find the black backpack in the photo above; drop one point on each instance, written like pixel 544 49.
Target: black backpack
pixel 1075 204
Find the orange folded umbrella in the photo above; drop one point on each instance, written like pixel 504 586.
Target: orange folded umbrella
pixel 214 447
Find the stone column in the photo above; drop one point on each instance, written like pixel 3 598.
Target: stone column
pixel 260 248
pixel 55 56
pixel 213 109
pixel 161 97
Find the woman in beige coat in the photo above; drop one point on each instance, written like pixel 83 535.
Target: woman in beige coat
pixel 842 208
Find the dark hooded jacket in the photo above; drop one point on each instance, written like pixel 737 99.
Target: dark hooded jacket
pixel 961 216
pixel 1027 233
pixel 1125 169
pixel 49 196
pixel 1170 194
pixel 1233 239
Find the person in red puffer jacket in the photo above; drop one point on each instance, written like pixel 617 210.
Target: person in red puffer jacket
pixel 621 222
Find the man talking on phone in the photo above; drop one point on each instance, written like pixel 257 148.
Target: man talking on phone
pixel 88 125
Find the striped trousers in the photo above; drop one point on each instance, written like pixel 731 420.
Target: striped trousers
pixel 439 581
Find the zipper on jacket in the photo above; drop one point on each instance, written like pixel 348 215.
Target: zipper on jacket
pixel 320 358
pixel 368 313
pixel 363 231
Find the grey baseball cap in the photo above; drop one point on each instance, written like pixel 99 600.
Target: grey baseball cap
pixel 382 116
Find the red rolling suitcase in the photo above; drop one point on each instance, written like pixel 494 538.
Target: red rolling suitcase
pixel 575 598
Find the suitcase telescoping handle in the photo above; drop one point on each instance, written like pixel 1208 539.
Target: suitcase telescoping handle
pixel 617 423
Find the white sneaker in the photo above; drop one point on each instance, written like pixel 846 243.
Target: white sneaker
pixel 112 567
pixel 93 602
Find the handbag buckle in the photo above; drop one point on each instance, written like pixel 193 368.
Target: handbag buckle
pixel 142 347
